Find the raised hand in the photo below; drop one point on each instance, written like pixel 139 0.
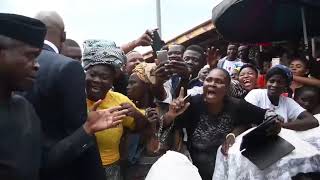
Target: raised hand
pixel 230 140
pixel 179 67
pixel 213 55
pixel 178 105
pixel 131 110
pixel 152 115
pixel 145 39
pixel 162 73
pixel 276 127
pixel 103 119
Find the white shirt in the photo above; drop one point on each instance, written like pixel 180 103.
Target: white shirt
pixel 54 47
pixel 195 90
pixel 167 87
pixel 231 65
pixel 287 107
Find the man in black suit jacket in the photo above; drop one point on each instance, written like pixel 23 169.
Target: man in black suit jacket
pixel 58 95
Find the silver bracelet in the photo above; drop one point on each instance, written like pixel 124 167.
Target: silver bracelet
pixel 231 134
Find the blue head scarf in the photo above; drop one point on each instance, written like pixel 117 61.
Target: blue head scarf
pixel 281 70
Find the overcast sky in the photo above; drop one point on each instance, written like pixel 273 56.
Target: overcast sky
pixel 117 20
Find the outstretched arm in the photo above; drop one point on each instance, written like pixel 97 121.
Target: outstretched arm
pixel 304 122
pixel 83 139
pixel 231 138
pixel 144 40
pixel 307 81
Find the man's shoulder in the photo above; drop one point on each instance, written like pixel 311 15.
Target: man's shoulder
pixel 223 59
pixel 221 62
pixel 238 61
pixel 52 63
pixel 19 100
pixel 48 57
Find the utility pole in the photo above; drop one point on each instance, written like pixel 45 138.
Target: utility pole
pixel 158 6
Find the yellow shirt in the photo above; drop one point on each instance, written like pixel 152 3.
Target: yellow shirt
pixel 109 139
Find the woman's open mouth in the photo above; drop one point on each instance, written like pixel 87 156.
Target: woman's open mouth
pixel 211 93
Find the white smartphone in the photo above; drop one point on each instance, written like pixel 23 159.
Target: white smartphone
pixel 162 55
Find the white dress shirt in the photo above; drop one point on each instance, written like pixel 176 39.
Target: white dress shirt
pixel 54 47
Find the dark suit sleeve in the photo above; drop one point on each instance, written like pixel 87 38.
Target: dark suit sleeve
pixel 69 149
pixel 71 90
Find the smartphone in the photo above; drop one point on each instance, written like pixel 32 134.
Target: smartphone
pixel 157 42
pixel 162 55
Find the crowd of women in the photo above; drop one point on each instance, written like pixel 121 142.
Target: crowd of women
pixel 170 108
pixel 115 115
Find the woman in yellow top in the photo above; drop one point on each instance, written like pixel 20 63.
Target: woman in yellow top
pixel 101 60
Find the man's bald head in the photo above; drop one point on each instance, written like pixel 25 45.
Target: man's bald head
pixel 55 27
pixel 51 19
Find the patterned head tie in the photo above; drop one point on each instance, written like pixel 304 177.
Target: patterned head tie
pixel 145 72
pixel 97 52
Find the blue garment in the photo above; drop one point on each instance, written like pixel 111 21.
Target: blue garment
pixel 134 151
pixel 175 82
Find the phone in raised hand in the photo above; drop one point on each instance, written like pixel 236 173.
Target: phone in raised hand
pixel 158 43
pixel 162 55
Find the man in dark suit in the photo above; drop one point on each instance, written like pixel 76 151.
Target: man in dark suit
pixel 70 150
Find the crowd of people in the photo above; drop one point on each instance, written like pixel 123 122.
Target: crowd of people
pixel 103 112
